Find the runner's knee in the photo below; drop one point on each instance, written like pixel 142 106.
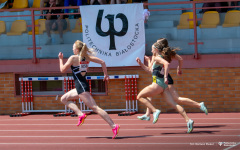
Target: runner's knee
pixel 177 100
pixel 64 99
pixel 94 108
pixel 139 96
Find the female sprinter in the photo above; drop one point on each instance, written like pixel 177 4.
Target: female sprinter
pixel 159 74
pixel 163 43
pixel 79 63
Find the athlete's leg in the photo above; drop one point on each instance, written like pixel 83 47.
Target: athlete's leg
pixel 169 99
pixel 92 1
pixel 182 100
pixel 148 111
pixel 149 91
pixel 187 101
pixel 146 116
pixel 65 99
pixel 102 2
pixel 90 102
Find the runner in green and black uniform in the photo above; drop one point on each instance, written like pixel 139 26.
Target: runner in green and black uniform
pixel 158 74
pixel 161 79
pixel 177 98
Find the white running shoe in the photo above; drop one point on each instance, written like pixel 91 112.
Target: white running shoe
pixel 156 115
pixel 190 125
pixel 203 108
pixel 143 117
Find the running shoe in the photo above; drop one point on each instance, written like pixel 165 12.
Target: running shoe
pixel 81 119
pixel 190 125
pixel 143 117
pixel 156 115
pixel 115 131
pixel 203 108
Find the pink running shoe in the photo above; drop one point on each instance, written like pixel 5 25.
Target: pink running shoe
pixel 115 131
pixel 81 119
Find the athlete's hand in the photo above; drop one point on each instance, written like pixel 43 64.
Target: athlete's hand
pixel 179 71
pixel 60 55
pixel 166 80
pixel 106 78
pixel 138 60
pixel 147 58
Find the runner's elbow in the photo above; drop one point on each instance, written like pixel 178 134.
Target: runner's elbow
pixel 62 70
pixel 166 64
pixel 103 63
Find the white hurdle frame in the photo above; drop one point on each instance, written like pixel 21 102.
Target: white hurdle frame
pixel 29 107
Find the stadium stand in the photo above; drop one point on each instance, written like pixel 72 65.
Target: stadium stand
pixel 78 26
pixel 36 4
pixel 160 24
pixel 2 27
pixel 20 4
pixel 210 19
pixel 18 27
pixel 68 27
pixel 39 26
pixel 184 23
pixel 232 18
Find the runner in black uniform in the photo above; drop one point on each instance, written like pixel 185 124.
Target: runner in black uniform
pixel 79 63
pixel 80 80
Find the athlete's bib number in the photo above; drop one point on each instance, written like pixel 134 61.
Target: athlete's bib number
pixel 84 67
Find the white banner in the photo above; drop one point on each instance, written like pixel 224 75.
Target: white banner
pixel 116 32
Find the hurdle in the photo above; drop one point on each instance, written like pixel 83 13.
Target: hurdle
pixel 131 96
pixel 27 93
pixel 27 100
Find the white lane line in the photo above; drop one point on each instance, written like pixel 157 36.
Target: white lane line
pixel 73 136
pixel 92 143
pixel 14 119
pixel 82 130
pixel 120 124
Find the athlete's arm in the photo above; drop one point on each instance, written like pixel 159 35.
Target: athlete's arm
pixel 160 60
pixel 64 67
pixel 100 61
pixel 143 66
pixel 147 59
pixel 151 62
pixel 180 62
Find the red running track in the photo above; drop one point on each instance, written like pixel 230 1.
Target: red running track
pixel 45 132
